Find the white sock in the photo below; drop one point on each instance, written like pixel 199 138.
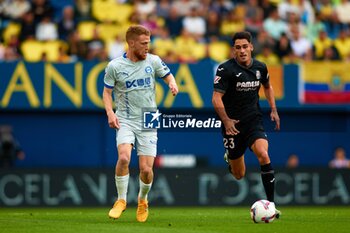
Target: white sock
pixel 121 182
pixel 144 189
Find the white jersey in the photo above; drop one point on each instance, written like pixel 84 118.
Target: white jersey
pixel 133 84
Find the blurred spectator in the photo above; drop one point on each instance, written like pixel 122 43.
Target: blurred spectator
pixel 77 48
pixel 188 49
pixel 41 9
pixel 283 48
pixel 306 12
pixel 321 44
pixel 268 56
pixel 254 18
pixel 314 29
pixel 145 7
pixel 194 24
pixel 339 160
pixel 46 29
pixel 342 45
pixel 184 7
pixel 163 44
pixel 151 22
pixel 301 46
pixel 222 7
pixel 163 8
pixel 274 25
pixel 212 25
pixel 82 10
pixel 267 7
pixel 116 48
pixel 16 8
pixel 28 27
pixel 293 21
pixel 262 40
pixel 10 149
pixel 233 23
pixel 343 12
pixel 293 161
pixel 174 23
pixel 96 48
pixel 287 7
pixel 67 24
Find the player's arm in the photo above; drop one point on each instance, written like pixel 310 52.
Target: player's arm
pixel 220 110
pixel 270 96
pixel 113 121
pixel 170 81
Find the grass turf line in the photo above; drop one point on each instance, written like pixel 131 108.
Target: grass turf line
pixel 174 220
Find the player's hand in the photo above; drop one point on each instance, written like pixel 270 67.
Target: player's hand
pixel 113 121
pixel 274 117
pixel 173 88
pixel 230 127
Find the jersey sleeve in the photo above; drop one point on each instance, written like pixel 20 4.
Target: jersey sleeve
pixel 109 78
pixel 265 77
pixel 161 69
pixel 221 79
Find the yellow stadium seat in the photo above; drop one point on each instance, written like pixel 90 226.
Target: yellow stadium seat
pixel 32 50
pixel 86 30
pixel 219 51
pixel 110 11
pixel 51 48
pixel 108 31
pixel 11 29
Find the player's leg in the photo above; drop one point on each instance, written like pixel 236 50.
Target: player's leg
pixel 125 140
pixel 237 167
pixel 260 149
pixel 234 155
pixel 146 143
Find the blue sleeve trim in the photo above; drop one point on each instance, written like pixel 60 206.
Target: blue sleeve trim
pixel 108 86
pixel 165 75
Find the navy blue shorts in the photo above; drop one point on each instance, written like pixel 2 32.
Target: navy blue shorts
pixel 249 132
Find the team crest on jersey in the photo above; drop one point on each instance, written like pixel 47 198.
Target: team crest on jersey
pixel 217 79
pixel 148 69
pixel 258 74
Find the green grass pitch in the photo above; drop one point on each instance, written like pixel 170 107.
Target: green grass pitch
pixel 170 219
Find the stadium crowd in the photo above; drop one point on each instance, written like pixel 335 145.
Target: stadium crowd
pixel 284 31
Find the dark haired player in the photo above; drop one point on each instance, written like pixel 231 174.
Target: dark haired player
pixel 236 101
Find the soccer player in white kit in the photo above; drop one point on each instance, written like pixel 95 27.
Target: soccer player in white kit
pixel 131 78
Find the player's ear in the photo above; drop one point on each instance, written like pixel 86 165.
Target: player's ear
pixel 251 47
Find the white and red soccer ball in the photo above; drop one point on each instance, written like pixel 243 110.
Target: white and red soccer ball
pixel 263 211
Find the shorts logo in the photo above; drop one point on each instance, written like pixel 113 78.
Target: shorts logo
pixel 151 119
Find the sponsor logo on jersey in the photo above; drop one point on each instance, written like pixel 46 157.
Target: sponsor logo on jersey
pixel 217 79
pixel 142 82
pixel 247 86
pixel 239 74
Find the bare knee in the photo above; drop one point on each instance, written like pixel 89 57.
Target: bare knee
pixel 123 160
pixel 146 171
pixel 263 157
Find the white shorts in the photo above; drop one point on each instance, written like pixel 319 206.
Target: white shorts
pixel 145 141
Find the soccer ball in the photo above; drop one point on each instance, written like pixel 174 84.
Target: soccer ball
pixel 263 211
